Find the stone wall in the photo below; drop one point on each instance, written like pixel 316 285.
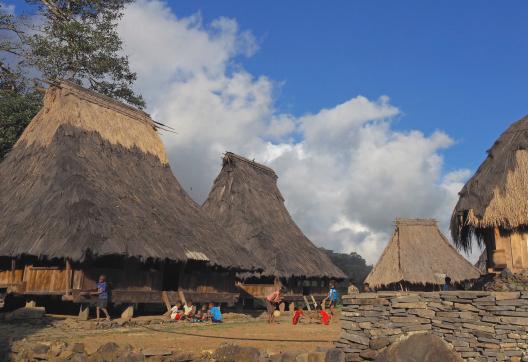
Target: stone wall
pixel 479 326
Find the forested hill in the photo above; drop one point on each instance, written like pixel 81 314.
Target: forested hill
pixel 353 265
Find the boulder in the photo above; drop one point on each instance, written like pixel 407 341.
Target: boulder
pixel 332 354
pixel 419 347
pixel 154 352
pixel 131 357
pixel 77 348
pixel 235 353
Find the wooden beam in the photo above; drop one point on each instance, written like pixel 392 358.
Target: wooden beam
pixel 166 300
pixel 69 277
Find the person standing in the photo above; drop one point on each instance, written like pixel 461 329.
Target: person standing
pixel 272 301
pixel 102 297
pixel 447 284
pixel 332 297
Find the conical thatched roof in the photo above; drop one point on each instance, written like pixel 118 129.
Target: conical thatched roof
pixel 497 195
pixel 417 254
pixel 246 201
pixel 90 177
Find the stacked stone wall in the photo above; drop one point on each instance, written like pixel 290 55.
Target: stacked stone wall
pixel 479 326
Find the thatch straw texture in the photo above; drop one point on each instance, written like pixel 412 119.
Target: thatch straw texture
pixel 497 195
pixel 482 262
pixel 89 177
pixel 246 201
pixel 417 254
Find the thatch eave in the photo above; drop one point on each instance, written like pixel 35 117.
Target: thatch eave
pixel 496 196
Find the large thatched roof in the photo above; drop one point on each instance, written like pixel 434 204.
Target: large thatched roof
pixel 90 177
pixel 417 254
pixel 497 195
pixel 246 201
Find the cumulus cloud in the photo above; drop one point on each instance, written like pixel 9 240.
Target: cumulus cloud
pixel 344 171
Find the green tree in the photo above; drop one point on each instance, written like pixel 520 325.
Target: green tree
pixel 78 41
pixel 17 108
pixel 18 102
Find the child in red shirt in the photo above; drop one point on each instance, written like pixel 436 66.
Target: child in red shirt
pixel 325 317
pixel 297 316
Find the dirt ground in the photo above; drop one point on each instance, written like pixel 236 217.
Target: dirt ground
pixel 180 336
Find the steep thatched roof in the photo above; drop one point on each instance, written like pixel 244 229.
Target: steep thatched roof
pixel 497 195
pixel 246 201
pixel 417 254
pixel 90 177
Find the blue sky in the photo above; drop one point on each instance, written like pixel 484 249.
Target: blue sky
pixel 459 66
pixel 347 165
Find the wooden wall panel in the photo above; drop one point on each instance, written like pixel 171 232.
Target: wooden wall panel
pixel 40 279
pixel 8 277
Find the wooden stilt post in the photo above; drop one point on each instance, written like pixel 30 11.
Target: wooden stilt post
pixel 13 270
pixel 128 313
pixel 84 312
pixel 68 277
pixel 181 296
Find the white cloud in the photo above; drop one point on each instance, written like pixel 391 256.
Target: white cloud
pixel 344 171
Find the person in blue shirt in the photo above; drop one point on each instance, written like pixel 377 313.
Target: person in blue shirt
pixel 215 313
pixel 332 297
pixel 102 297
pixel 447 284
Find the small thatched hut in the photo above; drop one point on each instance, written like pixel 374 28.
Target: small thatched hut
pixel 247 203
pixel 418 257
pixel 493 205
pixel 88 190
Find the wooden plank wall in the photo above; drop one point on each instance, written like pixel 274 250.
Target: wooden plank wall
pixel 45 279
pixel 8 277
pixel 131 278
pixel 203 281
pixel 519 251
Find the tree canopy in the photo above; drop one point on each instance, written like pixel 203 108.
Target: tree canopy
pixel 78 41
pixel 74 40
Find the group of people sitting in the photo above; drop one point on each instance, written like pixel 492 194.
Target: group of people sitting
pixel 196 314
pixel 274 299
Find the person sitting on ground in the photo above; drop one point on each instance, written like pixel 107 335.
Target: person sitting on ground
pixel 215 313
pixel 176 312
pixel 204 313
pixel 298 315
pixel 102 297
pixel 188 311
pixel 366 288
pixel 272 301
pixel 325 317
pixel 332 297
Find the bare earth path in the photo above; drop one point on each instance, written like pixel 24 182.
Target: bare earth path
pixel 182 336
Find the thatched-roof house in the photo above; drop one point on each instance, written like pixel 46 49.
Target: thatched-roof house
pixel 87 190
pixel 493 205
pixel 247 203
pixel 419 257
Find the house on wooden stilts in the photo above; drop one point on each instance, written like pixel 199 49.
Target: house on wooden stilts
pixel 419 257
pixel 247 203
pixel 87 190
pixel 493 205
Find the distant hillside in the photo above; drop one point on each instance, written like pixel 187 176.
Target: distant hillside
pixel 353 265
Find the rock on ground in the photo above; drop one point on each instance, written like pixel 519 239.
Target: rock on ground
pixel 419 347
